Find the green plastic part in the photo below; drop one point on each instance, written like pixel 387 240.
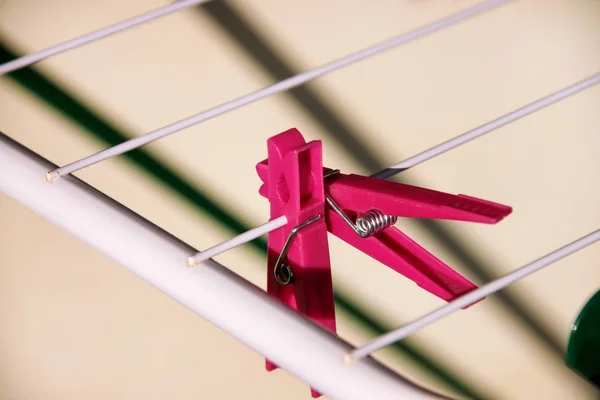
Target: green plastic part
pixel 583 351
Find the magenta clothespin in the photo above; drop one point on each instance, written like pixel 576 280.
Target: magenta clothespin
pixel 372 204
pixel 361 211
pixel 299 269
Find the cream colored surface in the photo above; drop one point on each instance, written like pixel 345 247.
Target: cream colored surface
pixel 75 325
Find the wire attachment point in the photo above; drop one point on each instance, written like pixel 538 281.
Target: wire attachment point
pixel 52 176
pixel 348 359
pixel 191 262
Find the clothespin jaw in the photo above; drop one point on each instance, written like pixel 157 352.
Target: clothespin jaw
pixel 293 183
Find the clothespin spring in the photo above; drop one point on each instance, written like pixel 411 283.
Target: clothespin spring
pixel 283 273
pixel 367 224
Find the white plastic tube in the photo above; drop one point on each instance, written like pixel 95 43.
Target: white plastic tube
pixel 210 290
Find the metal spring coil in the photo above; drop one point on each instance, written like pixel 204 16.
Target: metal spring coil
pixel 373 222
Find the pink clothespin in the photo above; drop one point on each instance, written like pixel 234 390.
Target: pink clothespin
pixel 361 211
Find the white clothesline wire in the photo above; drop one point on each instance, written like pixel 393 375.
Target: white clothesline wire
pixel 245 237
pixel 411 162
pixel 96 35
pixel 471 297
pixel 238 240
pixel 278 87
pixel 488 127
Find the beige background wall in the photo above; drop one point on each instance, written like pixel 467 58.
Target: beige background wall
pixel 75 325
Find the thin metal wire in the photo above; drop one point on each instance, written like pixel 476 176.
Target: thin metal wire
pixel 472 297
pixel 236 241
pixel 96 35
pixel 488 127
pixel 278 87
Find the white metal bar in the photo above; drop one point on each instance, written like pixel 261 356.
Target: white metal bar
pixel 279 87
pixel 96 35
pixel 472 297
pixel 210 290
pixel 245 237
pixel 488 127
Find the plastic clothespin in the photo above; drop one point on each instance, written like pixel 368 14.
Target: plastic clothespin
pixel 361 211
pixel 299 269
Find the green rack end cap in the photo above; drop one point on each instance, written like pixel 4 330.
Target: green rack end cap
pixel 583 350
